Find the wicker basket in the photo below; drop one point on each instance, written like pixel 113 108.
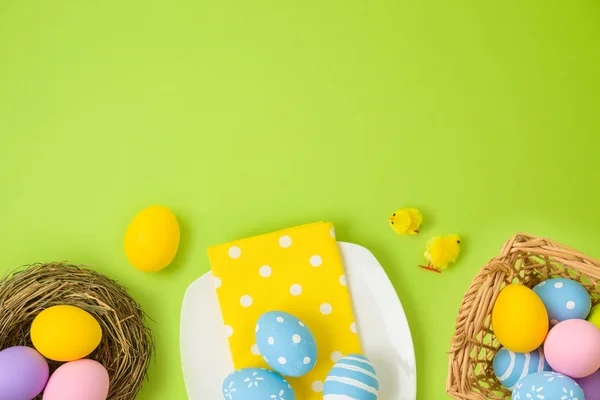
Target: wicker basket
pixel 127 345
pixel 524 259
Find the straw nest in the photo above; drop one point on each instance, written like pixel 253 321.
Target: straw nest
pixel 524 259
pixel 127 344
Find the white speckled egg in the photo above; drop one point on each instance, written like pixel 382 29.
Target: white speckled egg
pixel 547 386
pixel 256 384
pixel 564 299
pixel 352 377
pixel 509 366
pixel 286 344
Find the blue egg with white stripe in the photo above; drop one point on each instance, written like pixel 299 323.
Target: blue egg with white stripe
pixel 509 366
pixel 352 378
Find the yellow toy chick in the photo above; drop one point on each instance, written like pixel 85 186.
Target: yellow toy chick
pixel 406 221
pixel 441 251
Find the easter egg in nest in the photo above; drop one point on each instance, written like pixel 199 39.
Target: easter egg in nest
pixel 65 333
pixel 23 373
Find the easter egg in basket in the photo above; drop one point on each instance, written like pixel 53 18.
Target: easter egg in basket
pixel 547 386
pixel 509 366
pixel 564 299
pixel 594 316
pixel 590 385
pixel 519 319
pixel 573 348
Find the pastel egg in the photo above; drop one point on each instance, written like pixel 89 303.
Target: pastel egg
pixel 256 384
pixel 23 373
pixel 152 239
pixel 547 386
pixel 77 380
pixel 594 316
pixel 352 377
pixel 509 366
pixel 65 333
pixel 564 299
pixel 590 385
pixel 519 319
pixel 286 344
pixel 573 348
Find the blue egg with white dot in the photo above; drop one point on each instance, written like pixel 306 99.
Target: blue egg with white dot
pixel 256 384
pixel 564 299
pixel 509 366
pixel 547 386
pixel 352 377
pixel 286 344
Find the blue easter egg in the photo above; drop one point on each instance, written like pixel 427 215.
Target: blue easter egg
pixel 509 366
pixel 256 384
pixel 547 386
pixel 286 344
pixel 564 299
pixel 352 377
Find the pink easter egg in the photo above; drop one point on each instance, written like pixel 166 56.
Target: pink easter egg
pixel 591 386
pixel 77 380
pixel 572 348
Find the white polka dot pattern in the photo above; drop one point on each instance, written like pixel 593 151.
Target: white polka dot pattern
pixel 296 290
pixel 217 282
pixel 336 356
pixel 235 252
pixel 285 241
pixel 290 345
pixel 564 299
pixel 316 261
pixel 265 271
pixel 317 386
pixel 298 271
pixel 228 331
pixel 246 301
pixel 326 309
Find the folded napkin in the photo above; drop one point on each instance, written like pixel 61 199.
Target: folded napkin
pixel 299 271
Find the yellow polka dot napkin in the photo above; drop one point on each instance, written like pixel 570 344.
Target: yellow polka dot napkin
pixel 299 271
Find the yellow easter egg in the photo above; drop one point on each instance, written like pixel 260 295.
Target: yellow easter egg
pixel 594 316
pixel 519 319
pixel 152 239
pixel 65 333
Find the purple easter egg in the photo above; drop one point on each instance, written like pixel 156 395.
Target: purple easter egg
pixel 591 386
pixel 23 373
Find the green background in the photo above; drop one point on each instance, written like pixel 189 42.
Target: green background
pixel 250 116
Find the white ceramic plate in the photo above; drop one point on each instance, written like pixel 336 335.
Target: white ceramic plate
pixel 382 325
